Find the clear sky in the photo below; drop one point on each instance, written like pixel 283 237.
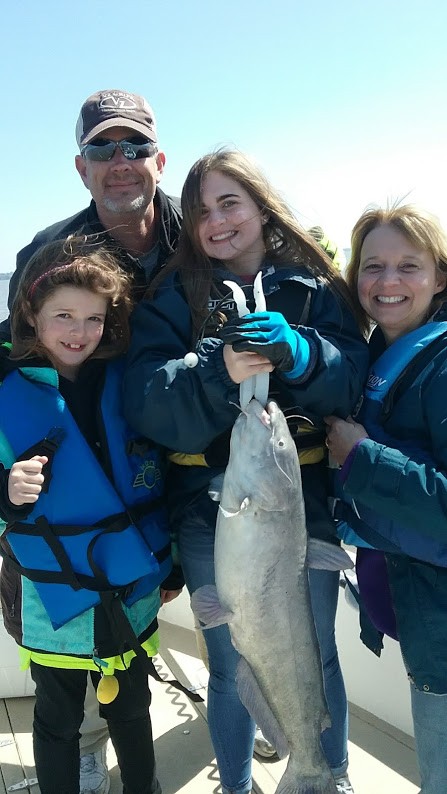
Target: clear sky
pixel 342 103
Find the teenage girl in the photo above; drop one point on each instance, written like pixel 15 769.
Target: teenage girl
pixel 235 225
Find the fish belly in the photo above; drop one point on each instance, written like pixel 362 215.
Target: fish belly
pixel 262 579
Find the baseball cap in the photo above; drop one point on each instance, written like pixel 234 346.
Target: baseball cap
pixel 114 108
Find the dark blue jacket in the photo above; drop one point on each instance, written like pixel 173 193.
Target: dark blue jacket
pixel 187 409
pixel 363 525
pixel 415 494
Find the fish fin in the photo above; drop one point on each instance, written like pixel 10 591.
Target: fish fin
pixel 229 514
pixel 215 487
pixel 254 701
pixel 206 606
pixel 327 556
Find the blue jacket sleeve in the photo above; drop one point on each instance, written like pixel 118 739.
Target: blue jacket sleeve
pixel 181 408
pixel 10 513
pixel 339 359
pixel 394 485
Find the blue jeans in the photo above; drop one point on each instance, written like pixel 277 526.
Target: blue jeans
pixel 324 588
pixel 231 727
pixel 430 733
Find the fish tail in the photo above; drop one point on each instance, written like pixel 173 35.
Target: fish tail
pixel 294 783
pixel 307 786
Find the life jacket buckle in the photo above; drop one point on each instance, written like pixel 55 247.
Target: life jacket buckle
pixel 332 503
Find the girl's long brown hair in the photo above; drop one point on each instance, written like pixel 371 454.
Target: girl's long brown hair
pixel 286 242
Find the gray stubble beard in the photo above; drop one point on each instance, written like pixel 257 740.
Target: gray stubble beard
pixel 124 205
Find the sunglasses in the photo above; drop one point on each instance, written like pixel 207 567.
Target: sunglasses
pixel 101 149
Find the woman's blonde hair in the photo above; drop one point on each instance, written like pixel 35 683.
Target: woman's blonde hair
pixel 286 242
pixel 421 228
pixel 78 262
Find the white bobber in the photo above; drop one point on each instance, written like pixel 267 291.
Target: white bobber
pixel 191 360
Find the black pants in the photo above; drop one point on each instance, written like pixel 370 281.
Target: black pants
pixel 58 715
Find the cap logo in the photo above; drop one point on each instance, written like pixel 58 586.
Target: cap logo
pixel 103 110
pixel 118 103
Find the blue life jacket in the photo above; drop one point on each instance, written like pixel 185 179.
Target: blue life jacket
pixel 85 534
pixel 360 525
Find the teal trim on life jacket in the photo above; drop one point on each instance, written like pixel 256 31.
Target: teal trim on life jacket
pixel 85 534
pixel 359 525
pixel 396 358
pixel 46 375
pixel 7 456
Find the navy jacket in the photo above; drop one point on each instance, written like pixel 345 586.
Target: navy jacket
pixel 416 495
pixel 187 409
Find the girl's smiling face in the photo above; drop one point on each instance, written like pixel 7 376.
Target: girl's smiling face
pixel 70 325
pixel 396 281
pixel 230 227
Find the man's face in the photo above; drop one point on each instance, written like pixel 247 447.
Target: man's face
pixel 120 186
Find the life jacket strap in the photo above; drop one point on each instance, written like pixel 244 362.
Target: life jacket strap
pixel 51 534
pixel 343 512
pixel 47 446
pixel 139 511
pixel 122 630
pixel 116 524
pixel 308 433
pixel 77 581
pixel 66 575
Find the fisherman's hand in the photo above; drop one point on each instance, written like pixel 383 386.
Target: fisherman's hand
pixel 270 335
pixel 342 436
pixel 241 366
pixel 168 595
pixel 26 479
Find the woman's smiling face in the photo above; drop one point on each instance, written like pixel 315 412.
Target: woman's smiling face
pixel 396 281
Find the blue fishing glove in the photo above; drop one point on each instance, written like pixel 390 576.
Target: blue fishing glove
pixel 270 335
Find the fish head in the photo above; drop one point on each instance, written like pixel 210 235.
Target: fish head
pixel 263 466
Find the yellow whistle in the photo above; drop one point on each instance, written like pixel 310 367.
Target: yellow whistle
pixel 108 689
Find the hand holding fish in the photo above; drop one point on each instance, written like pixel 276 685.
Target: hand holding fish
pixel 25 480
pixel 342 435
pixel 269 334
pixel 241 366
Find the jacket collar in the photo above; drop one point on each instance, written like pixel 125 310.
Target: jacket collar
pixel 273 276
pixel 170 218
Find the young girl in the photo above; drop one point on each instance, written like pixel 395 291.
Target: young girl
pixel 86 545
pixel 235 225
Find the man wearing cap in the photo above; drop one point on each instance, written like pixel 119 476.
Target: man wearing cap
pixel 120 164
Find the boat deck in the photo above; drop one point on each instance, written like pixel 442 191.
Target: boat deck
pixel 382 758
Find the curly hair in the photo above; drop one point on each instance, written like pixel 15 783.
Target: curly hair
pixel 78 262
